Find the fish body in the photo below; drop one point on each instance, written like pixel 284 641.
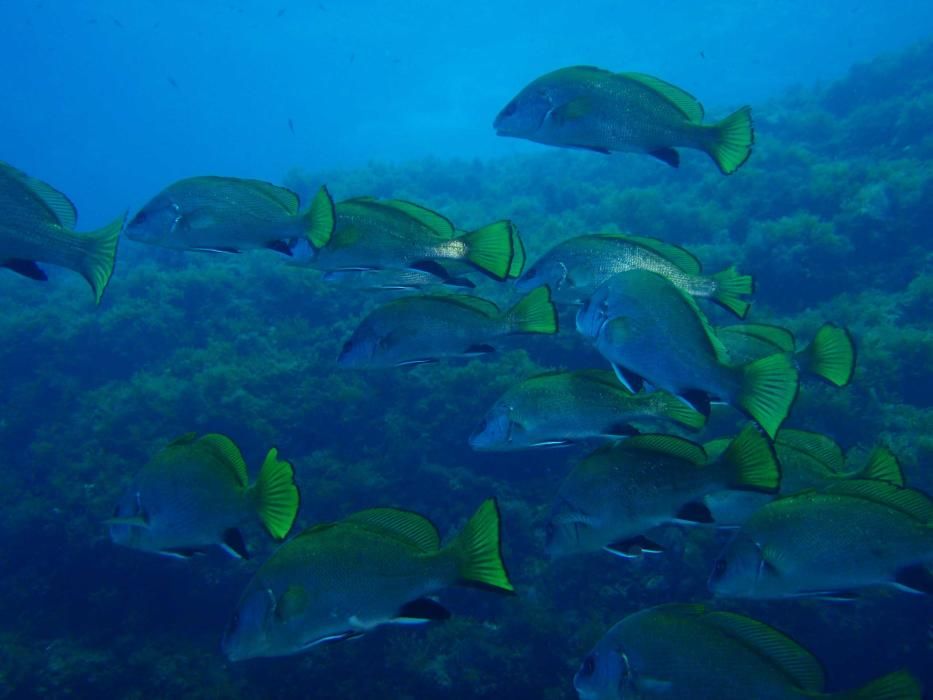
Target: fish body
pixel 226 214
pixel 340 580
pixel 830 356
pixel 808 461
pixel 195 493
pixel 574 268
pixel 689 652
pixel 419 329
pixel 851 535
pixel 596 109
pixel 651 331
pixel 373 234
pixel 619 492
pixel 562 408
pixel 38 226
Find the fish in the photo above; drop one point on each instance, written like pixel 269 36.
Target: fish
pixel 830 356
pixel 652 332
pixel 340 580
pixel 808 461
pixel 230 215
pixel 38 226
pixel 681 651
pixel 563 408
pixel 598 110
pixel 373 234
pixel 422 329
pixel 195 493
pixel 615 495
pixel 574 268
pixel 830 543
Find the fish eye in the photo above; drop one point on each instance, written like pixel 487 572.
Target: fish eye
pixel 531 274
pixel 483 424
pixel 140 218
pixel 719 568
pixel 509 109
pixel 589 665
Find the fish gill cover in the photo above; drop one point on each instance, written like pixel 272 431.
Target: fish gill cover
pixel 831 215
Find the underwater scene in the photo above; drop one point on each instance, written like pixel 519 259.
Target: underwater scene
pixel 513 350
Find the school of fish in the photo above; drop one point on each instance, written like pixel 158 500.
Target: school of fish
pixel 801 516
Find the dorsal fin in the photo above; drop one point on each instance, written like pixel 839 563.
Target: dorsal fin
pixel 911 502
pixel 403 525
pixel 882 465
pixel 437 223
pixel 688 105
pixel 184 439
pixel 671 445
pixel 674 254
pixel 604 377
pixel 810 446
pixel 781 650
pixel 282 196
pixel 434 223
pixel 226 450
pixel 781 339
pixel 483 306
pixel 58 204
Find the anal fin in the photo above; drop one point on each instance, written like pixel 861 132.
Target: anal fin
pixel 26 268
pixel 280 247
pixel 915 579
pixel 634 547
pixel 234 543
pixel 421 610
pixel 667 155
pixel 695 512
pixel 479 349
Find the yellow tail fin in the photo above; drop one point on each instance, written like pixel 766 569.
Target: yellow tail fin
pixel 899 685
pixel 831 355
pixel 751 463
pixel 321 218
pixel 730 288
pixel 478 550
pixel 276 495
pixel 535 313
pixel 769 387
pixel 732 140
pixel 100 252
pixel 490 249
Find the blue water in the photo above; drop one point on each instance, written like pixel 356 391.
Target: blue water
pixel 112 101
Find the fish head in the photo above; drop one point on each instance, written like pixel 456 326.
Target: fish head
pixel 130 525
pixel 249 632
pixel 548 271
pixel 498 430
pixel 270 623
pixel 160 222
pixel 603 675
pixel 743 571
pixel 362 347
pixel 569 531
pixel 375 342
pixel 595 312
pixel 525 115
